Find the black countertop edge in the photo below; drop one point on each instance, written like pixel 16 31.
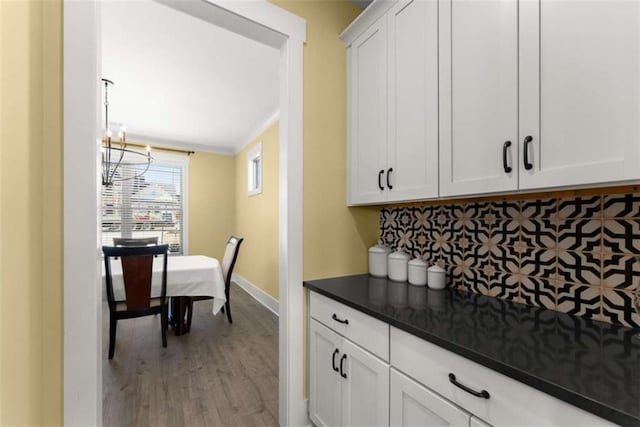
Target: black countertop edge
pixel 590 405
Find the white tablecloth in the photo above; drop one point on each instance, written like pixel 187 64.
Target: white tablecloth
pixel 193 275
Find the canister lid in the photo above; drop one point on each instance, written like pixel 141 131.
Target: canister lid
pixel 418 262
pixel 436 269
pixel 378 250
pixel 399 256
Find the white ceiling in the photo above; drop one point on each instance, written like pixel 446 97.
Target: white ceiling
pixel 184 82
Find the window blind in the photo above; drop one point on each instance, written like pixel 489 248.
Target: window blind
pixel 150 205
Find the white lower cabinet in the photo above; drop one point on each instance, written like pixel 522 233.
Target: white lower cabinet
pixel 362 372
pixel 412 404
pixel 348 385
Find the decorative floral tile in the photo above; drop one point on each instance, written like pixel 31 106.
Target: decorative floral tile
pixel 477 231
pixel 479 255
pixel 506 209
pixel 580 207
pixel 453 231
pixel 621 206
pixel 538 233
pixel 572 254
pixel 475 281
pixel 580 267
pixel 506 232
pixel 539 262
pixel 621 272
pixel 538 292
pixel 580 234
pixel 542 208
pixel 578 300
pixel 506 286
pixel 617 307
pixel 505 259
pixel 621 235
pixel 441 241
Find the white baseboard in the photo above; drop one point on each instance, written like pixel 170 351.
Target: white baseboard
pixel 258 294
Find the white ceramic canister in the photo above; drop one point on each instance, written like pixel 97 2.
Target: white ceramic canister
pixel 436 277
pixel 397 266
pixel 378 260
pixel 417 272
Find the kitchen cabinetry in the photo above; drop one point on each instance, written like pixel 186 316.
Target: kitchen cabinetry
pixel 538 94
pixel 393 104
pixel 484 393
pixel 413 404
pixel 349 385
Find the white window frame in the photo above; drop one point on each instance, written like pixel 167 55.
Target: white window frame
pixel 254 181
pixel 182 161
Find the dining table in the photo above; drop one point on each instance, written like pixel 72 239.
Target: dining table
pixel 187 276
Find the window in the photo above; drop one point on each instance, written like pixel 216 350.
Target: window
pixel 254 170
pixel 152 205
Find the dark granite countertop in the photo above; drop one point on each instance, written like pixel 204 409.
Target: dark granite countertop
pixel 590 364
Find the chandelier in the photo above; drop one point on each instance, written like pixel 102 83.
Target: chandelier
pixel 116 155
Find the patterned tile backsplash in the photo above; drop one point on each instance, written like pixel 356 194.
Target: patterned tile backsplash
pixel 574 255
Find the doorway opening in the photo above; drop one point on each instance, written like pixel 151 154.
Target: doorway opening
pixel 83 353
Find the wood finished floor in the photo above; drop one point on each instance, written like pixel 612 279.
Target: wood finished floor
pixel 218 374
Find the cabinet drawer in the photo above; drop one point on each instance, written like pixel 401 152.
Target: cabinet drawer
pixel 510 403
pixel 362 329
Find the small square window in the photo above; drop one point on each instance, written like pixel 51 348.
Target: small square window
pixel 254 170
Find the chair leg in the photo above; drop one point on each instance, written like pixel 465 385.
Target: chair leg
pixel 113 323
pixel 164 320
pixel 189 313
pixel 228 305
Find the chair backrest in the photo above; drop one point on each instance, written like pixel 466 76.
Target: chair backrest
pixel 137 273
pixel 143 241
pixel 229 258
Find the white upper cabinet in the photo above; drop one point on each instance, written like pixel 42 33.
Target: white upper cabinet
pixel 367 62
pixel 469 97
pixel 393 104
pixel 558 79
pixel 478 96
pixel 579 91
pixel 413 100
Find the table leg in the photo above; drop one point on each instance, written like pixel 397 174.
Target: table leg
pixel 177 318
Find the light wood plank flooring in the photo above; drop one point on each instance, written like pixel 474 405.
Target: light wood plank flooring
pixel 218 374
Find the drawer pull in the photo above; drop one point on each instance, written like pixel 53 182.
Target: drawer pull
pixel 527 164
pixel 339 320
pixel 379 182
pixel 342 359
pixel 505 162
pixel 333 360
pixel 452 379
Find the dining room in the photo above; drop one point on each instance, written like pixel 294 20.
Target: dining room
pixel 190 163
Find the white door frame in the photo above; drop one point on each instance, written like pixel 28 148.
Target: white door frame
pixel 83 353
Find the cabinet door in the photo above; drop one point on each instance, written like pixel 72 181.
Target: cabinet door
pixel 324 381
pixel 478 95
pixel 580 91
pixel 412 154
pixel 415 405
pixel 365 390
pixel 368 115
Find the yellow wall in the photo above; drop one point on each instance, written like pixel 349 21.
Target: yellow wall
pixel 336 238
pixel 31 213
pixel 257 217
pixel 211 203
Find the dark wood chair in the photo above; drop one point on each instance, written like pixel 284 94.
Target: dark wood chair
pixel 137 272
pixel 227 264
pixel 143 241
